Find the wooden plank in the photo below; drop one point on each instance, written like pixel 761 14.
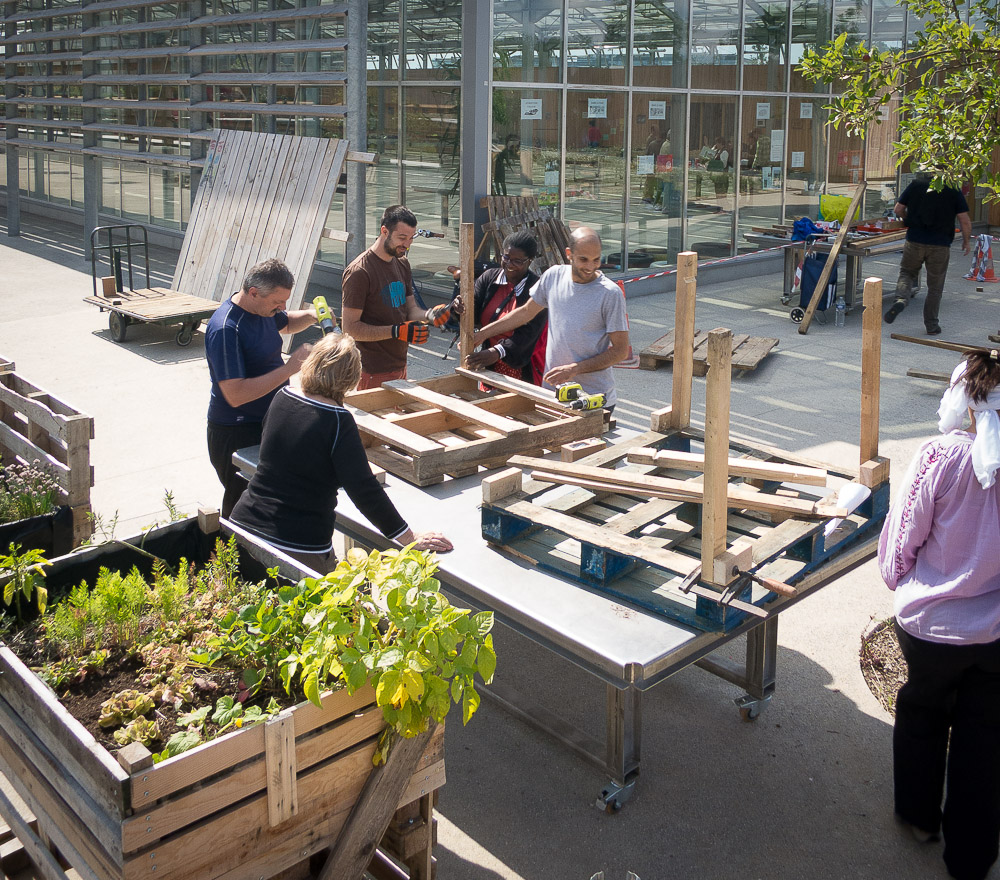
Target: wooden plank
pixel 749 354
pixel 713 510
pixel 914 373
pixel 33 409
pixel 508 383
pixel 739 467
pixel 871 367
pixel 279 752
pixel 370 816
pixel 42 860
pixel 831 260
pixel 940 343
pixel 456 406
pixel 466 259
pixel 683 354
pixel 387 432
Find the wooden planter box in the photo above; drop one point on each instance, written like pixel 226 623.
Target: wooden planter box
pixel 35 425
pixel 254 803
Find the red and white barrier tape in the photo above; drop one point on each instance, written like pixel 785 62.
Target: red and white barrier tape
pixel 666 272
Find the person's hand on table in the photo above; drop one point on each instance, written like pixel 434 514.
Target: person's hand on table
pixel 482 359
pixel 432 541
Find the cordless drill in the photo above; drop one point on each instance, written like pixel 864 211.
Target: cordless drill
pixel 324 317
pixel 571 393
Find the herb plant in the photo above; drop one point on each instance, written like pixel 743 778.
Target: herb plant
pixel 21 575
pixel 26 490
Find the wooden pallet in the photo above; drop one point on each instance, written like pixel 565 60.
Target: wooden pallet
pixel 638 546
pixel 37 426
pixel 748 352
pixel 261 195
pixel 509 214
pixel 423 431
pixel 155 304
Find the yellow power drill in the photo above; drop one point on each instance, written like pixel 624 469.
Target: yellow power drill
pixel 324 316
pixel 571 393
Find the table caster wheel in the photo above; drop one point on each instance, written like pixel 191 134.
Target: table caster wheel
pixel 117 324
pixel 750 707
pixel 613 796
pixel 796 315
pixel 185 335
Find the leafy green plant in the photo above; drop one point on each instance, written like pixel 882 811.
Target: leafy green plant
pixel 142 730
pixel 381 618
pixel 124 707
pixel 120 602
pixel 21 574
pixel 26 490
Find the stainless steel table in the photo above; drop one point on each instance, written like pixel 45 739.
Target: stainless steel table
pixel 629 650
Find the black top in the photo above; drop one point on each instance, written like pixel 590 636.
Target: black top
pixel 310 450
pixel 523 338
pixel 930 216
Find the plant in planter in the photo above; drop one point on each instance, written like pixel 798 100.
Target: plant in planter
pixel 26 490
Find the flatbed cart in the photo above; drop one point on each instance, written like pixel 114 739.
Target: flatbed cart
pixel 148 305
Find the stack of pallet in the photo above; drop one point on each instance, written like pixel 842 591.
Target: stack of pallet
pixel 509 214
pixel 36 426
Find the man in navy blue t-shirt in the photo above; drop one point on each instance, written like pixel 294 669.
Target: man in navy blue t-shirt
pixel 243 347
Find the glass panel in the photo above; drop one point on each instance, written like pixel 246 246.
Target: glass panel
pixel 654 224
pixel 880 196
pixel 715 28
pixel 430 174
pixel 526 144
pixel 765 46
pixel 711 196
pixel 888 24
pixel 807 141
pixel 846 166
pixel 527 40
pixel 433 39
pixel 135 191
pixel 812 21
pixel 383 40
pixel 660 43
pixel 166 191
pixel 59 178
pixel 595 169
pixel 111 189
pixel 598 42
pixel 383 138
pixel 851 17
pixel 761 178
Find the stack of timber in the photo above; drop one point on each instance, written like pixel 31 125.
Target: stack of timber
pixel 295 797
pixel 423 431
pixel 636 512
pixel 510 214
pixel 36 426
pixel 748 352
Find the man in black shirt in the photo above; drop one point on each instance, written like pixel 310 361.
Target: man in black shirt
pixel 930 229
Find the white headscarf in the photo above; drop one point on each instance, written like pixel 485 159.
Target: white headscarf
pixel 951 413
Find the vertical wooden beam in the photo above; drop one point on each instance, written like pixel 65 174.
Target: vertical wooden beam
pixel 713 511
pixel 683 365
pixel 871 365
pixel 279 759
pixel 466 259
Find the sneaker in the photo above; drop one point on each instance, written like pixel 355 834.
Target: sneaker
pixel 894 310
pixel 934 331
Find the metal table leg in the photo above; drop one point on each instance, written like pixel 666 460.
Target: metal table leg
pixel 761 663
pixel 624 736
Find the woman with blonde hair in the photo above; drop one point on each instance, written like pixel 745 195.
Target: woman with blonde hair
pixel 310 449
pixel 940 552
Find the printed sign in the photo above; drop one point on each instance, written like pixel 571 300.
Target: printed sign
pixel 646 165
pixel 657 109
pixel 798 159
pixel 531 108
pixel 597 108
pixel 777 145
pixel 806 110
pixel 552 178
pixel 763 110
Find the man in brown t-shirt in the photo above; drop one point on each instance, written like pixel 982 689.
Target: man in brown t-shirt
pixel 379 309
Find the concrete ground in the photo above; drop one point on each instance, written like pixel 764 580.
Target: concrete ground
pixel 804 791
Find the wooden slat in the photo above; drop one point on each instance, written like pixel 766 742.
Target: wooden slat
pixel 741 467
pixel 713 510
pixel 280 763
pixel 680 394
pixel 387 432
pixel 507 383
pixel 456 406
pixel 871 368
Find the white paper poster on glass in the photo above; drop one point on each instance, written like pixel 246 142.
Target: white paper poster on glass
pixel 798 159
pixel 646 165
pixel 552 178
pixel 657 110
pixel 597 108
pixel 763 110
pixel 777 145
pixel 806 110
pixel 531 108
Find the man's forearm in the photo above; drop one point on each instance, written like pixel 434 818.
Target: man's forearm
pixel 965 224
pixel 239 392
pixel 608 358
pixel 363 332
pixel 299 320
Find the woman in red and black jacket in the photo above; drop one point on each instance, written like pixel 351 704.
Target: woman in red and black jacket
pixel 499 291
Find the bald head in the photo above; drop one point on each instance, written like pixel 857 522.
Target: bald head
pixel 583 235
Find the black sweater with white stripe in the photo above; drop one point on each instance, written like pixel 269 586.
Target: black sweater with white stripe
pixel 310 450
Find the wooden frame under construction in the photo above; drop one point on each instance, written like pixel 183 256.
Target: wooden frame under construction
pixel 423 431
pixel 699 549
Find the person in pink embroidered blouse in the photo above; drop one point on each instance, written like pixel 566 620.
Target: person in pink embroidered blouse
pixel 940 552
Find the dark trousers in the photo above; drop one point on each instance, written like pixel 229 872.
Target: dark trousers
pixel 223 441
pixel 935 258
pixel 950 689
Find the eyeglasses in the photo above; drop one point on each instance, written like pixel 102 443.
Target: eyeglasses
pixel 510 261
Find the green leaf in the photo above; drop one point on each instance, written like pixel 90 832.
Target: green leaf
pixel 487 661
pixel 197 717
pixel 182 741
pixel 470 702
pixel 311 688
pixel 227 710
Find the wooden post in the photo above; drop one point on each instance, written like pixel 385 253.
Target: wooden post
pixel 683 366
pixel 831 259
pixel 466 259
pixel 871 364
pixel 713 512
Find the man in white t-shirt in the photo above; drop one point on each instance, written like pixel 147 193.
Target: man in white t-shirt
pixel 588 329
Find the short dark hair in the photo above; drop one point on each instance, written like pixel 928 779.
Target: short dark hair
pixel 523 241
pixel 982 374
pixel 396 214
pixel 269 275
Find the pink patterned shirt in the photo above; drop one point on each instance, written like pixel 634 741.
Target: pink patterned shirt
pixel 940 547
